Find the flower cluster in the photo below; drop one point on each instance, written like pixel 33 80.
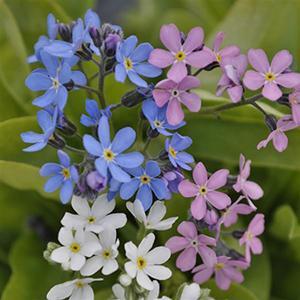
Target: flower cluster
pixel 104 167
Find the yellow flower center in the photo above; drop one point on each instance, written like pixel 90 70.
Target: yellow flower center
pixel 108 155
pixel 141 263
pixel 75 247
pixel 172 151
pixel 79 284
pixel 202 190
pixel 145 179
pixel 91 220
pixel 66 173
pixel 249 235
pixel 157 123
pixel 293 100
pixel 128 63
pixel 270 76
pixel 55 83
pixel 218 57
pixel 180 56
pixel 106 254
pixel 219 266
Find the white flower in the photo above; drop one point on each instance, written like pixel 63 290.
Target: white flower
pixel 105 257
pixel 77 289
pixel 144 263
pixel 191 292
pixel 96 218
pixel 118 291
pixel 125 280
pixel 76 247
pixel 154 219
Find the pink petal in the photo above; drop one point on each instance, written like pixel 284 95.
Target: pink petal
pixel 229 218
pixel 259 60
pixel 187 259
pixel 166 84
pixel 188 82
pixel 229 51
pixel 177 243
pixel 253 80
pixel 296 113
pixel 271 91
pixel 175 113
pixel 243 209
pixel 191 101
pixel 200 174
pixel 256 246
pixel 218 41
pixel 161 97
pixel 198 208
pixel 257 224
pixel 252 190
pixel 218 179
pixel 288 80
pixel 200 59
pixel 281 61
pixel 264 143
pixel 194 39
pixel 203 275
pixel 235 93
pixel 222 281
pixel 245 169
pixel 206 240
pixel 161 58
pixel 208 255
pixel 177 72
pixel 233 274
pixel 218 199
pixel 187 229
pixel 280 141
pixel 187 189
pixel 170 37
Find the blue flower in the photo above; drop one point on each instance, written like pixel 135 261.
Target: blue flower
pixel 147 183
pixel 109 155
pixel 63 175
pixel 157 118
pixel 47 122
pixel 114 188
pixel 92 108
pixel 52 80
pixel 174 149
pixel 132 61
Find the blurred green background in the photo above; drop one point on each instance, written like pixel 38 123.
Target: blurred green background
pixel 218 141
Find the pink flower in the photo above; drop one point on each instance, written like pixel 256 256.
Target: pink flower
pixel 278 136
pixel 177 93
pixel 205 190
pixel 231 80
pixel 225 270
pixel 294 99
pixel 250 189
pixel 180 53
pixel 192 244
pixel 220 55
pixel 253 244
pixel 270 77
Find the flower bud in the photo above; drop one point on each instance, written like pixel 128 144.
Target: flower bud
pixel 50 248
pixel 163 155
pixel 152 133
pixel 65 31
pixel 95 181
pixel 271 122
pixel 66 126
pixel 125 280
pixel 85 53
pixel 95 35
pixel 237 234
pixel 56 141
pixel 132 98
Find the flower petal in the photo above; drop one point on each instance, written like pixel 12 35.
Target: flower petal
pixel 193 40
pixel 170 37
pixel 161 58
pixel 271 91
pixel 123 139
pixel 259 60
pixel 281 61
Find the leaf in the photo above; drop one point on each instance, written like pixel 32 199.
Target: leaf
pixel 103 294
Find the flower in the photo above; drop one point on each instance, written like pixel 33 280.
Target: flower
pixel 75 248
pixel 172 179
pixel 191 292
pixel 76 289
pixel 95 181
pixel 40 140
pixel 174 93
pixel 294 100
pixel 278 136
pixel 217 55
pixel 109 155
pixel 270 76
pixel 192 244
pixel 145 181
pixel 97 218
pixel 174 149
pixel 157 118
pixel 131 62
pixel 231 80
pixel 252 243
pixel 180 53
pixel 145 263
pixel 225 270
pixel 205 190
pixel 63 175
pixel 250 189
pixel 92 108
pixel 105 257
pixel 154 220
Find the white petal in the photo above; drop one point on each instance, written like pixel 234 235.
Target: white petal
pixel 81 206
pixel 163 225
pixel 87 293
pixel 130 269
pixel 90 245
pixel 158 255
pixel 138 209
pixel 191 292
pixel 80 236
pixel 92 266
pixel 102 206
pixel 108 238
pixel 131 251
pixel 110 266
pixel 113 221
pixel 60 255
pixel 119 291
pixel 73 221
pixel 77 262
pixel 144 281
pixel 90 280
pixel 154 293
pixel 76 295
pixel 158 272
pixel 61 291
pixel 157 212
pixel 65 236
pixel 146 244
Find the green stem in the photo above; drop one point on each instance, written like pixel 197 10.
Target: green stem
pixel 88 88
pixel 76 150
pixel 101 82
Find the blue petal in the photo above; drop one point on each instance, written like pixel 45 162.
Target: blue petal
pixel 32 137
pixel 132 159
pixel 44 120
pixel 53 183
pixel 37 81
pixel 101 166
pixel 66 191
pixel 159 188
pixel 141 53
pixel 136 172
pixel 123 140
pixel 145 196
pixel 92 108
pixel 61 97
pixel 120 73
pixel 78 32
pixel 180 142
pixel 118 174
pixel 150 110
pixel 152 169
pixel 50 169
pixel 92 146
pixel 184 165
pixel 46 99
pixel 128 45
pixel 173 161
pixel 64 158
pixel 136 79
pixel 87 121
pixel 71 61
pixel 60 49
pixel 185 157
pixel 50 62
pixel 147 70
pixel 65 74
pixel 91 19
pixel 128 189
pixel 35 147
pixel 52 26
pixel 74 174
pixel 78 78
pixel 104 132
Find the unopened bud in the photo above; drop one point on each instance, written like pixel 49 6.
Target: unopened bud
pixel 65 31
pixel 163 155
pixel 237 234
pixel 95 181
pixel 132 98
pixel 271 122
pixel 95 35
pixel 152 133
pixel 125 280
pixel 50 248
pixel 56 141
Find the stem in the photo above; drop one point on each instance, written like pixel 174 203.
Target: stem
pixel 93 77
pixel 197 72
pixel 73 149
pixel 101 82
pixel 259 108
pixel 88 88
pixel 116 106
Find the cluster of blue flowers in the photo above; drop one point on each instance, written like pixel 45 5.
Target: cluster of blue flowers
pixel 107 162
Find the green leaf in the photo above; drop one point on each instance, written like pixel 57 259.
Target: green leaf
pixel 103 294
